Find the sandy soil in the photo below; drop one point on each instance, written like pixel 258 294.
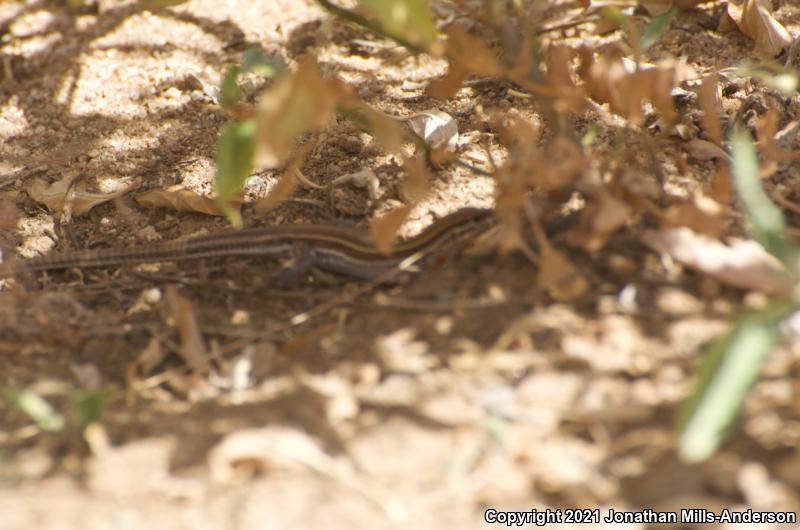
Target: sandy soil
pixel 417 405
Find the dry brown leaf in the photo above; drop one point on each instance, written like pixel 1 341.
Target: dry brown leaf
pixel 9 214
pixel 708 95
pixel 557 274
pixel 702 214
pixel 192 349
pixel 515 177
pixel 742 264
pixel 547 170
pixel 415 183
pixel 604 217
pixel 470 52
pixel 662 78
pixel 518 55
pixel 384 229
pixel 61 196
pixel 557 84
pixel 509 207
pixel 705 150
pixel 280 192
pixel 388 130
pixel 611 214
pixel 725 25
pixel 514 130
pixel 446 86
pixel 558 66
pixel 625 86
pixel 754 19
pixel 150 357
pixel 559 165
pixel 297 103
pixel 604 79
pixel 559 77
pixel 442 156
pixel 53 195
pixel 287 182
pixel 721 185
pixel 83 201
pixel 183 200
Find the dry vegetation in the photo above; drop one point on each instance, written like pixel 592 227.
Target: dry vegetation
pixel 640 158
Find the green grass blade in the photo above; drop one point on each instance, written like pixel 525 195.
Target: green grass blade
pixel 765 219
pixel 731 366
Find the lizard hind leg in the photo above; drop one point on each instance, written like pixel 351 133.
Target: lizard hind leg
pixel 298 264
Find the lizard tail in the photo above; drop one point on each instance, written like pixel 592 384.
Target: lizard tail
pixel 167 251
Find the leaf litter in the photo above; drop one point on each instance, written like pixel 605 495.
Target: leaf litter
pixel 530 457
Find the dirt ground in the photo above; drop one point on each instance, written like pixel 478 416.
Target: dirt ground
pixel 417 405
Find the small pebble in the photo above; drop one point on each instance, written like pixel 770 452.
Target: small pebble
pixel 351 145
pixel 240 317
pixel 152 296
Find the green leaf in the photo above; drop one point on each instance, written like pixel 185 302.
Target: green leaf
pixel 656 28
pixel 229 93
pixel 765 219
pixel 410 19
pixel 36 407
pixel 731 366
pixel 257 61
pixel 235 154
pixel 89 406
